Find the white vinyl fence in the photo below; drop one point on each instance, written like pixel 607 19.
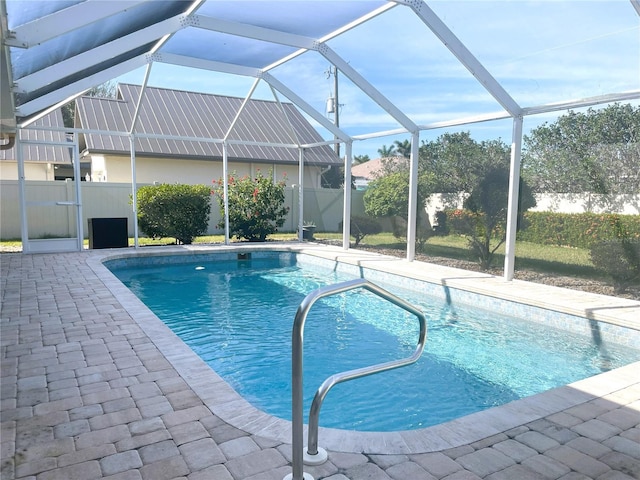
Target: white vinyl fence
pixel 321 206
pixel 324 207
pixel 552 202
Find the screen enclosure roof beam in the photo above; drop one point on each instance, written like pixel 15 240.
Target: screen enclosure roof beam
pixel 66 20
pixel 464 56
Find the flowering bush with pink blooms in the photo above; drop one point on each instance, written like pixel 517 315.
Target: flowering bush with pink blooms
pixel 256 205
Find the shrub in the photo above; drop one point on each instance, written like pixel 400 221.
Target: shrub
pixel 458 220
pixel 399 227
pixel 388 196
pixel 424 231
pixel 488 202
pixel 620 259
pixel 179 211
pixel 580 230
pixel 256 206
pixel 362 226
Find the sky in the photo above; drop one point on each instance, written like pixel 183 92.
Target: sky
pixel 541 52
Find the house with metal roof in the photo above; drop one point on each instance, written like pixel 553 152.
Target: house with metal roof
pixel 54 51
pixel 179 137
pixel 42 161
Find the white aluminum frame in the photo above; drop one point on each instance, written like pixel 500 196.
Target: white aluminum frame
pixel 66 244
pixel 91 11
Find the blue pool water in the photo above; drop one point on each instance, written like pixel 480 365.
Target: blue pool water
pixel 238 315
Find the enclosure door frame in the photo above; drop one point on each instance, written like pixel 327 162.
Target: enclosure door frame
pixel 73 205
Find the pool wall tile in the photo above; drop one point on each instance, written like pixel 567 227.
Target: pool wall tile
pixel 599 331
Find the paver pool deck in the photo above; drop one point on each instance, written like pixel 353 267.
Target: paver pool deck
pixel 94 386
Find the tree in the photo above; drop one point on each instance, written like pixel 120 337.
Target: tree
pixel 387 152
pixel 488 203
pixel 458 161
pixel 597 151
pixel 388 196
pixel 178 211
pixel 256 206
pixel 403 148
pixel 359 159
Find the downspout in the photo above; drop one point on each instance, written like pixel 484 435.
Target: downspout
pixel 514 192
pixel 322 172
pixel 11 140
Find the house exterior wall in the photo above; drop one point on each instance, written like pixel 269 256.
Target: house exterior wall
pixel 117 169
pixel 32 170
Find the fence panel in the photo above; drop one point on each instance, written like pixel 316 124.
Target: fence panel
pixel 112 200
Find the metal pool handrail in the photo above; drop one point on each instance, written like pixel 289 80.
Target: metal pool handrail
pixel 296 367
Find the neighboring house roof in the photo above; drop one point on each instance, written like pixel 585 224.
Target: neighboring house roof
pixel 373 168
pixel 367 170
pixel 39 152
pixel 185 114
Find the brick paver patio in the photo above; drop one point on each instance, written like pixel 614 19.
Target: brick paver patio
pixel 86 393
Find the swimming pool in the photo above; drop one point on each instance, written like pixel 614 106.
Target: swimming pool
pixel 466 369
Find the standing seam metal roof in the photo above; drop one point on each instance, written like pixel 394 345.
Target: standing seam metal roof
pixel 43 153
pixel 196 115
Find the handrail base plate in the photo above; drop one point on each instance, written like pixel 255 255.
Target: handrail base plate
pixel 317 459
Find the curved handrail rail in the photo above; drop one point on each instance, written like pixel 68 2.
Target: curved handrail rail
pixel 296 365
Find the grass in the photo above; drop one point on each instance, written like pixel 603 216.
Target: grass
pixel 529 256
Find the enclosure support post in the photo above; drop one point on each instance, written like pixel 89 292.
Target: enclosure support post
pixel 225 191
pixel 514 192
pixel 134 189
pixel 132 145
pixel 413 198
pixel 346 215
pixel 24 230
pixel 78 194
pixel 300 192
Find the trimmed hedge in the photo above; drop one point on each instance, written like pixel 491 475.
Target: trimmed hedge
pixel 579 230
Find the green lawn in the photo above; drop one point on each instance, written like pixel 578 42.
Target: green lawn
pixel 532 256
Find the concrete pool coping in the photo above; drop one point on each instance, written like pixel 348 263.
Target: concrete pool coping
pixel 223 401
